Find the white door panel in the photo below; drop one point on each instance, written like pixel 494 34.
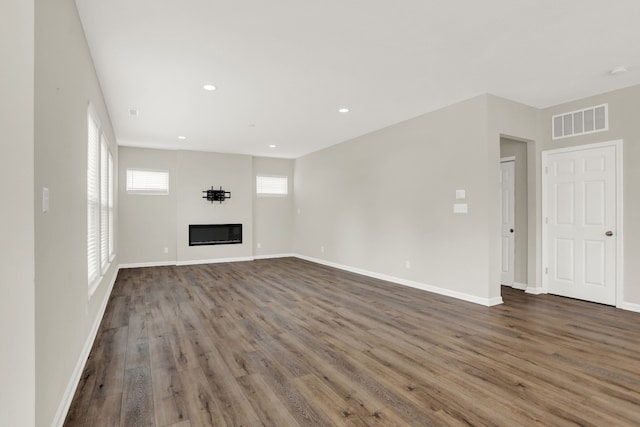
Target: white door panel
pixel 507 209
pixel 580 210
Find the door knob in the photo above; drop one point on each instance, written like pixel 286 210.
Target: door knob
pixel 609 233
pixel 511 230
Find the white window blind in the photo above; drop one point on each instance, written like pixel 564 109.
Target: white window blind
pixel 100 182
pixel 111 231
pixel 142 181
pixel 104 204
pixel 93 198
pixel 272 185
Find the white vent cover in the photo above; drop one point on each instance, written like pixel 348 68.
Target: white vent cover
pixel 580 122
pixel 133 112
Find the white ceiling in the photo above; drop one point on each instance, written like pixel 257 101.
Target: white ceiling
pixel 283 68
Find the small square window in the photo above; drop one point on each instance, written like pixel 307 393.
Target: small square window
pixel 271 185
pixel 152 182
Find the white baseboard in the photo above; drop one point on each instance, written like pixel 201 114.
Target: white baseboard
pixel 535 290
pixel 429 288
pixel 74 381
pixel 492 301
pixel 520 286
pixel 629 306
pixel 623 305
pixel 214 261
pixel 201 261
pixel 148 264
pixel 273 256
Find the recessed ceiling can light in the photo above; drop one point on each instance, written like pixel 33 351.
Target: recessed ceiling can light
pixel 209 87
pixel 182 137
pixel 272 146
pixel 618 70
pixel 343 110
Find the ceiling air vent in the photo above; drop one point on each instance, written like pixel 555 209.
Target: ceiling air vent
pixel 133 112
pixel 588 120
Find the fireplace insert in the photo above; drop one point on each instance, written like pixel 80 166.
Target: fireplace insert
pixel 214 234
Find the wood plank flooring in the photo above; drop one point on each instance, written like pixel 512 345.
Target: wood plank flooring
pixel 290 343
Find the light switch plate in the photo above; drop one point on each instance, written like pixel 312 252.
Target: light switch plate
pixel 461 194
pixel 460 208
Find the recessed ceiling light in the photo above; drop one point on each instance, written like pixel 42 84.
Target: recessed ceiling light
pixel 272 146
pixel 619 70
pixel 209 86
pixel 343 110
pixel 182 137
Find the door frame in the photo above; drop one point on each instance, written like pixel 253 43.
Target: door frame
pixel 511 159
pixel 618 145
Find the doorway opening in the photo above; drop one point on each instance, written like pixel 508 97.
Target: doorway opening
pixel 514 213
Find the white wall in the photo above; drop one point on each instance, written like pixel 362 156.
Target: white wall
pixel 385 198
pixel 198 171
pixel 151 223
pixel 382 199
pixel 65 82
pixel 272 216
pixel 147 222
pixel 17 304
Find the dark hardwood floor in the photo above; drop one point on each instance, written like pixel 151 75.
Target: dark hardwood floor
pixel 289 343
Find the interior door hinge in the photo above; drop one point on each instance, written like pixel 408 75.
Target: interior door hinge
pixel 546 270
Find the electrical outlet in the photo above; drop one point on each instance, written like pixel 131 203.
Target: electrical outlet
pixel 322 249
pixel 407 264
pixel 166 250
pixel 258 245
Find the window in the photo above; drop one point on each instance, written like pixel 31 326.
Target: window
pixel 93 197
pixel 271 185
pixel 100 232
pixel 112 251
pixel 104 203
pixel 153 182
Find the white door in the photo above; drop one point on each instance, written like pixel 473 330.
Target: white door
pixel 580 223
pixel 507 209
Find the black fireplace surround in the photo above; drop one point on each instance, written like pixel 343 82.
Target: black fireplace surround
pixel 214 234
